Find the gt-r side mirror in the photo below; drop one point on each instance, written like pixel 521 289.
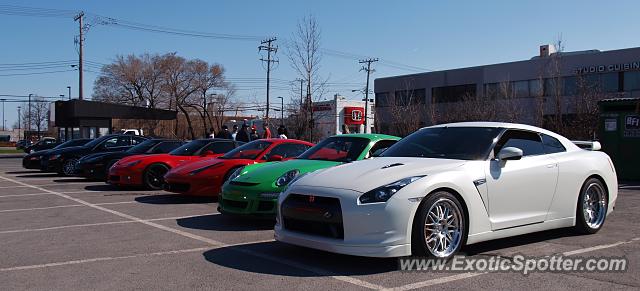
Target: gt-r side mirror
pixel 510 153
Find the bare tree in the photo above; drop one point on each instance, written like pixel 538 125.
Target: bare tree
pixel 305 57
pixel 39 114
pixel 207 77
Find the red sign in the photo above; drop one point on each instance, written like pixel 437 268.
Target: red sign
pixel 354 115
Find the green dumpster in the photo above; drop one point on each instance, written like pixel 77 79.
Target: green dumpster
pixel 620 135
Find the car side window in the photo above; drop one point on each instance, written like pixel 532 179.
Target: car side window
pixel 166 146
pixel 109 143
pixel 379 147
pixel 219 147
pixel 136 140
pixel 529 142
pixel 286 151
pixel 552 145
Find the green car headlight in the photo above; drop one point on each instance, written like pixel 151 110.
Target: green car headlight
pixel 236 173
pixel 383 193
pixel 287 177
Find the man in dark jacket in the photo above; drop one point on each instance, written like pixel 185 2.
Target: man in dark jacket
pixel 243 135
pixel 224 133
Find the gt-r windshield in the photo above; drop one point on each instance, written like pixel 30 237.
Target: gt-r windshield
pixel 142 147
pixel 248 151
pixel 461 143
pixel 337 149
pixel 190 148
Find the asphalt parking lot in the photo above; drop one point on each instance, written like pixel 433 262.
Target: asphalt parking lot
pixel 69 233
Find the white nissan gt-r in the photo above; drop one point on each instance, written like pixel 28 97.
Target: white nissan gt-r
pixel 449 185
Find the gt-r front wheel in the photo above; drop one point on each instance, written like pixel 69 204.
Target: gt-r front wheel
pixel 592 207
pixel 154 176
pixel 439 229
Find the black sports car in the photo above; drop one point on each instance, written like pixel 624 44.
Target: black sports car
pixel 96 166
pixel 64 161
pixel 32 161
pixel 44 144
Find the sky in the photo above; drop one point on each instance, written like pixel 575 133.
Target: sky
pixel 407 36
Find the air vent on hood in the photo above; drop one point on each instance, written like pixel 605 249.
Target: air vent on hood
pixel 392 165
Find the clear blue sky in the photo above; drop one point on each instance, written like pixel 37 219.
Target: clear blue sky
pixel 427 34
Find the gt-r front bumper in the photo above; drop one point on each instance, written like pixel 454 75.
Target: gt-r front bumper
pixel 372 230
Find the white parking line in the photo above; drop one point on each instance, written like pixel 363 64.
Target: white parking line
pixel 99 224
pixel 599 247
pixel 20 195
pixel 212 242
pixel 40 208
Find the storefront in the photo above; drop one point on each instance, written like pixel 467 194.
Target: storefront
pixel 620 132
pixel 330 116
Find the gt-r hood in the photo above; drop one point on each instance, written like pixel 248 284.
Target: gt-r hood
pixel 363 176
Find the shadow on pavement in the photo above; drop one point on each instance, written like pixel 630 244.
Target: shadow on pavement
pixel 174 199
pixel 23 172
pixel 73 180
pixel 515 241
pixel 220 222
pixel 271 253
pixel 40 175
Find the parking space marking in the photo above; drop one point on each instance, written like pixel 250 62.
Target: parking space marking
pixel 40 208
pixel 100 223
pixel 20 195
pixel 75 262
pixel 212 242
pixel 600 247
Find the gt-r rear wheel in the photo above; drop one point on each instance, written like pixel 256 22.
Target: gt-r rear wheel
pixel 154 176
pixel 69 167
pixel 439 229
pixel 592 207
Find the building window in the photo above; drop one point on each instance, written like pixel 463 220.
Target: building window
pixel 491 90
pixel 569 86
pixel 449 94
pixel 406 97
pixel 535 88
pixel 521 89
pixel 610 82
pixel 382 99
pixel 552 86
pixel 631 81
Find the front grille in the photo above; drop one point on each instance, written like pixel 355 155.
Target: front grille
pixel 114 178
pixel 265 205
pixel 243 183
pixel 234 204
pixel 315 215
pixel 177 187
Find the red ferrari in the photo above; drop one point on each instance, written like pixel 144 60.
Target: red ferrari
pixel 148 170
pixel 205 177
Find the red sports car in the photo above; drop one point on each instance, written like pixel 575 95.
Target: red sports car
pixel 148 170
pixel 205 177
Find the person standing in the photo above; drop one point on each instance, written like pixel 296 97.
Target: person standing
pixel 243 135
pixel 211 134
pixel 254 133
pixel 234 133
pixel 282 132
pixel 267 131
pixel 224 133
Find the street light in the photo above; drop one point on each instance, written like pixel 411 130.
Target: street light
pixel 281 110
pixel 19 123
pixel 3 120
pixel 28 117
pixel 61 96
pixel 69 87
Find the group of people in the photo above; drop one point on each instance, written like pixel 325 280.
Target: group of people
pixel 247 134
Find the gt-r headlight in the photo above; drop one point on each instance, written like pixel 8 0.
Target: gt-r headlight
pixel 383 193
pixel 200 170
pixel 133 163
pixel 287 177
pixel 236 173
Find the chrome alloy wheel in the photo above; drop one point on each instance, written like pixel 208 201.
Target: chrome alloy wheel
pixel 594 205
pixel 69 167
pixel 442 228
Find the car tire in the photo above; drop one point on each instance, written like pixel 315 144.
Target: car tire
pixel 153 176
pixel 591 210
pixel 69 167
pixel 439 227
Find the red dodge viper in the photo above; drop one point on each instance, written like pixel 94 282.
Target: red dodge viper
pixel 148 170
pixel 205 177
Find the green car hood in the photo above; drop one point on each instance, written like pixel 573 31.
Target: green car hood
pixel 267 173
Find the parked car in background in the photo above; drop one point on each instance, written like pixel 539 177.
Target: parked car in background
pixel 148 170
pixel 205 177
pixel 64 161
pixel 32 160
pixel 43 144
pixel 96 166
pixel 255 188
pixel 447 186
pixel 21 144
pixel 131 131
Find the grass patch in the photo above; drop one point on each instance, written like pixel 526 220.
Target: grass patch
pixel 11 151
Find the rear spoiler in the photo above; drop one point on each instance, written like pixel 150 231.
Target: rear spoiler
pixel 588 145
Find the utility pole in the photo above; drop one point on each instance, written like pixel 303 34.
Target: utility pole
pixel 266 45
pixel 69 87
pixel 19 122
pixel 79 18
pixel 3 128
pixel 28 117
pixel 281 110
pixel 366 90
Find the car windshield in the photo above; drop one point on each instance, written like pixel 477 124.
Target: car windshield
pixel 72 143
pixel 462 143
pixel 142 147
pixel 190 148
pixel 248 151
pixel 337 149
pixel 97 141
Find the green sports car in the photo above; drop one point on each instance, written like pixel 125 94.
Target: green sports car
pixel 254 189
